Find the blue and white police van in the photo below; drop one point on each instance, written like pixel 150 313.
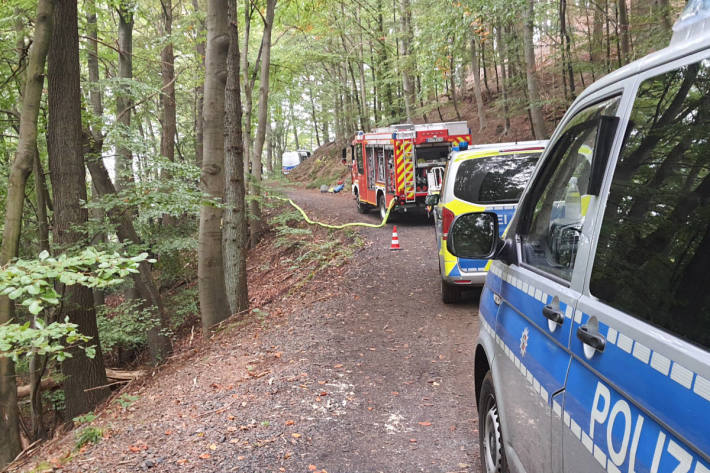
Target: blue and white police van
pixel 594 346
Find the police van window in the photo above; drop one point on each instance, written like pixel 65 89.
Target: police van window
pixel 358 158
pixel 559 202
pixel 653 253
pixel 495 179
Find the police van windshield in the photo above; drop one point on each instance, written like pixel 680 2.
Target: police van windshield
pixel 495 179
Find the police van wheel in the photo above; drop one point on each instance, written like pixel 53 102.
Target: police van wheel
pixel 449 294
pixel 490 436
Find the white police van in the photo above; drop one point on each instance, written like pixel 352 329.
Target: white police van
pixel 594 346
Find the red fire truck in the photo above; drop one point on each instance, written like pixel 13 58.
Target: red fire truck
pixel 392 163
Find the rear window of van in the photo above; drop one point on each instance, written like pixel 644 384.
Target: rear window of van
pixel 495 179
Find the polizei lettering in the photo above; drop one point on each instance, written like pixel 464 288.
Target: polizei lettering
pixel 635 443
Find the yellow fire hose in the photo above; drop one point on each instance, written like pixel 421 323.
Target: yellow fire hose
pixel 338 227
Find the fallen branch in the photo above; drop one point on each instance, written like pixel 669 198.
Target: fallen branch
pixel 124 375
pixel 48 383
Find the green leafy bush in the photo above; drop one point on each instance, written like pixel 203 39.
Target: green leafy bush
pixel 125 326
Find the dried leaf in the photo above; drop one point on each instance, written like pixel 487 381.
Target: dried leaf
pixel 425 424
pixel 295 435
pixel 205 456
pixel 312 468
pixel 290 422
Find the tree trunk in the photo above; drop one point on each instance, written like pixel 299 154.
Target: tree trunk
pixel 538 121
pixel 565 49
pixel 406 61
pixel 235 232
pixel 453 85
pixel 214 306
pixel 167 97
pixel 124 102
pixel 269 148
pixel 382 65
pixel 504 77
pixel 476 66
pixel 314 117
pixel 95 130
pixel 42 203
pixel 665 14
pixel 19 171
pixel 199 90
pixel 66 167
pixel 597 31
pixel 624 31
pixel 248 86
pixel 257 225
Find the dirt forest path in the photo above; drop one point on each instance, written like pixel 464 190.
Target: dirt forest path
pixel 374 376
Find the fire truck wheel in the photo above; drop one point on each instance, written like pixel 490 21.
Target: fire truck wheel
pixel 361 206
pixel 381 205
pixel 449 294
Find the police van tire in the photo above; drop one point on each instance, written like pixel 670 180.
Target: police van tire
pixel 449 294
pixel 490 436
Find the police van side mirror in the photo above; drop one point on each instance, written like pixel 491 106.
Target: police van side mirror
pixel 474 235
pixel 431 199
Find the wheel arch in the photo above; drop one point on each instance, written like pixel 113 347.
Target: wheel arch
pixel 481 366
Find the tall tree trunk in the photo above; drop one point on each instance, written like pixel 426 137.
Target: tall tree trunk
pixel 293 121
pixel 538 121
pixel 214 306
pixel 504 76
pixel 257 225
pixel 42 202
pixel 19 171
pixel 664 8
pixel 200 89
pixel 386 85
pixel 624 31
pixel 167 96
pixel 95 129
pixel 406 60
pixel 476 66
pixel 248 86
pixel 235 232
pixel 452 83
pixel 269 147
pixel 567 70
pixel 66 167
pixel 314 116
pixel 598 31
pixel 124 102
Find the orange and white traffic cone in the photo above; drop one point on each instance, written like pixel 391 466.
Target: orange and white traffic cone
pixel 395 239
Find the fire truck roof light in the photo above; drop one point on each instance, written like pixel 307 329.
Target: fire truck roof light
pixel 693 23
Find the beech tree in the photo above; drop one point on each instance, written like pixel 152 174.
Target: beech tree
pixel 66 167
pixel 214 306
pixel 20 170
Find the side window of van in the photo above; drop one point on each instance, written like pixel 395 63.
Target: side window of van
pixel 653 252
pixel 557 205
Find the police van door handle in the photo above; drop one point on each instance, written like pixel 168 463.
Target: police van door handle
pixel 553 314
pixel 591 337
